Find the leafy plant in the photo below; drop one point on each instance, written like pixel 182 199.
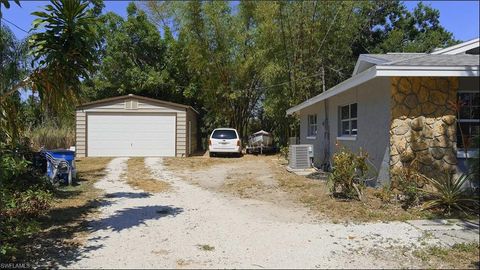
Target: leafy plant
pixel 385 194
pixel 449 194
pixel 409 182
pixel 284 151
pixel 348 174
pixel 18 214
pixel 24 196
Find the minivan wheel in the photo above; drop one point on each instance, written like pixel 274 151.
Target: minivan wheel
pixel 211 154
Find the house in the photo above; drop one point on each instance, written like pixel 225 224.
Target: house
pixel 399 107
pixel 135 126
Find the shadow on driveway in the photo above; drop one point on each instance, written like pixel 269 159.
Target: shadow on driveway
pixel 132 217
pixel 129 195
pixel 60 245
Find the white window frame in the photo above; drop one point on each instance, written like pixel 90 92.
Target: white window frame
pixel 472 152
pixel 350 136
pixel 312 128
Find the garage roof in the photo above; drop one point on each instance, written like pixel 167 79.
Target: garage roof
pixel 152 100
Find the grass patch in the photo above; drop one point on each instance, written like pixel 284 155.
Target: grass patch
pixel 315 195
pixel 89 171
pixel 206 247
pixel 139 177
pixel 460 256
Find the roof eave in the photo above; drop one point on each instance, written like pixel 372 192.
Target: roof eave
pixel 389 71
pixel 459 48
pixel 105 100
pixel 428 71
pixel 363 58
pixel 337 89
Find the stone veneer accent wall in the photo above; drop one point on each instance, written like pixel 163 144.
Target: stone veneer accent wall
pixel 423 126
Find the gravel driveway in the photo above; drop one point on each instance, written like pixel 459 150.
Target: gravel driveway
pixel 192 227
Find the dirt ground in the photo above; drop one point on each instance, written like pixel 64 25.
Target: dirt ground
pixel 266 178
pixel 247 177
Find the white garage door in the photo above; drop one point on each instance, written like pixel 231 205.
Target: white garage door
pixel 130 134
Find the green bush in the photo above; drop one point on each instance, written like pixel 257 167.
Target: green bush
pixel 348 175
pixel 24 196
pixel 449 194
pixel 18 214
pixel 408 181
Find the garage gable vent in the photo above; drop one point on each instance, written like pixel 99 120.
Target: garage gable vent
pixel 131 105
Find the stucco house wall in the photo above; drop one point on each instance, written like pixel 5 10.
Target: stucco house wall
pixel 400 119
pixel 373 121
pixel 317 141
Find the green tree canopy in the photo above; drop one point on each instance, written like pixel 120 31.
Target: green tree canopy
pixel 135 59
pixel 244 64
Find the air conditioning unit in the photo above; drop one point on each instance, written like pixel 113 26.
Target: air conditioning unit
pixel 300 156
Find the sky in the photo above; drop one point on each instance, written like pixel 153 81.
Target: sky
pixel 459 17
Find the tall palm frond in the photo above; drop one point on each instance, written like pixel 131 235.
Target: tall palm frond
pixel 65 53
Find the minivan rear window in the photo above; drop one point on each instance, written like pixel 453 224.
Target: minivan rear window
pixel 224 134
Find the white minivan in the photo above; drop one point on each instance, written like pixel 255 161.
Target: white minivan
pixel 224 140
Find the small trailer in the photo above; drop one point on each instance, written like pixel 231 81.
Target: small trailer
pixel 260 142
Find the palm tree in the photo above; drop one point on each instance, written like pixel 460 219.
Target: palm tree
pixel 12 63
pixel 64 48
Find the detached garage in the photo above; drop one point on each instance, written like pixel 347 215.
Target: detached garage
pixel 135 126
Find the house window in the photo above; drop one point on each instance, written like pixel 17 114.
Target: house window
pixel 469 119
pixel 312 125
pixel 348 120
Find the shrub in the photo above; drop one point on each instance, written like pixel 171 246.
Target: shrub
pixel 408 181
pixel 24 196
pixel 449 194
pixel 347 177
pixel 385 194
pixel 18 214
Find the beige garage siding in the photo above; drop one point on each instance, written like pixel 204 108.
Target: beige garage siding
pixel 137 104
pixel 192 124
pixel 181 134
pixel 80 133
